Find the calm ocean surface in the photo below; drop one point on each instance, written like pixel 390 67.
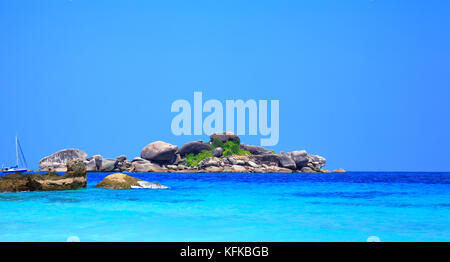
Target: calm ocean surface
pixel 238 207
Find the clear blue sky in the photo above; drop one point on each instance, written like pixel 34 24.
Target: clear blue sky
pixel 364 83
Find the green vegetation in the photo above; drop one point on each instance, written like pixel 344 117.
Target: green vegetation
pixel 193 160
pixel 230 148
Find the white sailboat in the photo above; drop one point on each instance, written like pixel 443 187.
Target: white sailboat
pixel 20 157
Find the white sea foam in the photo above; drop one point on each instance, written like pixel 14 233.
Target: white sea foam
pixel 145 184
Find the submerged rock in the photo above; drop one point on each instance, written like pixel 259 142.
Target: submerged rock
pixel 159 151
pixel 122 181
pixel 74 178
pixel 59 159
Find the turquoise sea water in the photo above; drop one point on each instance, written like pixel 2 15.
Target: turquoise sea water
pixel 238 207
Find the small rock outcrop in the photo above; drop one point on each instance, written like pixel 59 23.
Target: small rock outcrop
pixel 208 162
pixel 193 147
pixel 224 137
pixel 307 170
pixel 339 170
pixel 16 182
pixel 122 181
pixel 58 160
pixel 99 164
pixel 74 178
pixel 256 150
pixel 160 152
pixel 316 162
pixel 267 159
pixel 144 166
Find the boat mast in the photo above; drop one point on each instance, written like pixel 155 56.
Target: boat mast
pixel 24 161
pixel 17 153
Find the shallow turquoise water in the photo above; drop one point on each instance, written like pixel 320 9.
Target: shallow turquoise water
pixel 238 207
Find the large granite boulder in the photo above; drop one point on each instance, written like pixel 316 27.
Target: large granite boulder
pixel 300 158
pixel 99 164
pixel 122 181
pixel 286 161
pixel 108 164
pixel 95 160
pixel 160 152
pixel 316 162
pixel 58 160
pixel 217 152
pixel 224 137
pixel 256 150
pixel 193 147
pixel 74 178
pixel 90 165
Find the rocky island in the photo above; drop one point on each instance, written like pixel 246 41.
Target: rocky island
pixel 223 153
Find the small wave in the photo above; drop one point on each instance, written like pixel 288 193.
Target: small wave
pixel 182 201
pixel 363 195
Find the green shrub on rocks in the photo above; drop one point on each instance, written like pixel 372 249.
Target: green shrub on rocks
pixel 216 143
pixel 230 148
pixel 194 159
pixel 233 148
